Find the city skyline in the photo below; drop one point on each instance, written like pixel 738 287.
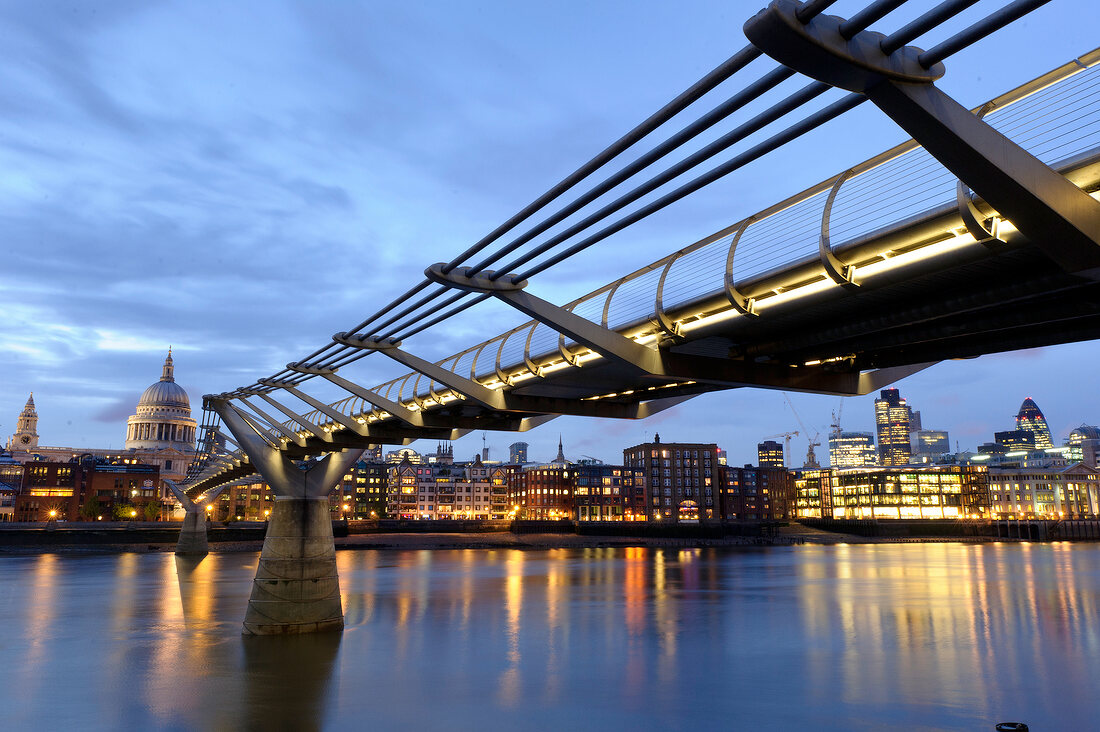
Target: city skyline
pixel 137 172
pixel 548 441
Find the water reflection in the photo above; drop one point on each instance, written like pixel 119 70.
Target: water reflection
pixel 288 681
pixel 849 637
pixel 962 623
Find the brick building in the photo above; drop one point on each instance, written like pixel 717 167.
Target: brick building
pixel 104 490
pixel 609 493
pixel 681 478
pixel 543 493
pixel 756 493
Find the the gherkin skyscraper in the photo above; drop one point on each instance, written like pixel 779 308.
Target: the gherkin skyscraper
pixel 1031 418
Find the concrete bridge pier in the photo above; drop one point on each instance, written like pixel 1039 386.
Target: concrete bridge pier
pixel 193 538
pixel 297 589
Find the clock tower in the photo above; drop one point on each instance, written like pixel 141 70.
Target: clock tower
pixel 26 428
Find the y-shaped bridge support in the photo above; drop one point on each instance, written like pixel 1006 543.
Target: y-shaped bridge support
pixel 193 538
pixel 297 589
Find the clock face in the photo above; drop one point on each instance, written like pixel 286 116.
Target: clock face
pixel 25 439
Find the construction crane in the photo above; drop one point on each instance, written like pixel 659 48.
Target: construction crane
pixel 814 440
pixel 786 439
pixel 835 426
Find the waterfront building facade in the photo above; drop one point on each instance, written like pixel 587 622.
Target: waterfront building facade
pixel 935 492
pixel 363 491
pixel 472 490
pixel 1048 493
pixel 892 425
pixel 756 494
pixel 247 501
pixel 609 493
pixel 681 478
pixel 88 489
pixel 542 493
pixel 11 478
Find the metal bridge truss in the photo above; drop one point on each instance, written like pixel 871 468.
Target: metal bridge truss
pixel 956 243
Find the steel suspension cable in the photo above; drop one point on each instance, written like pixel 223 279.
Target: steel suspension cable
pixel 909 32
pixel 981 29
pixel 817 119
pixel 788 105
pixel 737 101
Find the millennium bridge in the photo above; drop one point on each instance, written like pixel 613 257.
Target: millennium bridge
pixel 980 234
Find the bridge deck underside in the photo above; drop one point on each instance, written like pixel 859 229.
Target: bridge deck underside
pixel 922 290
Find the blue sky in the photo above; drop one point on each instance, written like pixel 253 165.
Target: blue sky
pixel 240 180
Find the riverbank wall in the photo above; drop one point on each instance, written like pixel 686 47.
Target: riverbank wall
pixel 1023 529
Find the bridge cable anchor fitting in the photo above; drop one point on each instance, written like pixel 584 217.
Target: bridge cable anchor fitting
pixel 482 282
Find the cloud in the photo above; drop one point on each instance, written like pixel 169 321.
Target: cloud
pixel 117 412
pixel 181 174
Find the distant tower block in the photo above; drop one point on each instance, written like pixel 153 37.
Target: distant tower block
pixel 517 452
pixel 769 454
pixel 892 423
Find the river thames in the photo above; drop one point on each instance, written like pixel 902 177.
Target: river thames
pixel 911 636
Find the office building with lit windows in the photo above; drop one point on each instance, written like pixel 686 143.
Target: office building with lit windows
pixel 251 501
pixel 939 492
pixel 1011 440
pixel 892 425
pixel 361 495
pixel 927 446
pixel 681 478
pixel 1083 442
pixel 769 454
pixel 852 450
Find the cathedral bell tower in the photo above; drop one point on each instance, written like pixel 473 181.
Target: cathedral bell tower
pixel 26 428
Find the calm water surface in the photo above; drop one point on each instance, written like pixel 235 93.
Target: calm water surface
pixel 937 636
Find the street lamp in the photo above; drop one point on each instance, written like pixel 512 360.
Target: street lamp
pixel 133 514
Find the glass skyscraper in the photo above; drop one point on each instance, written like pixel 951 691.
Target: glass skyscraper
pixel 1031 418
pixel 892 423
pixel 852 450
